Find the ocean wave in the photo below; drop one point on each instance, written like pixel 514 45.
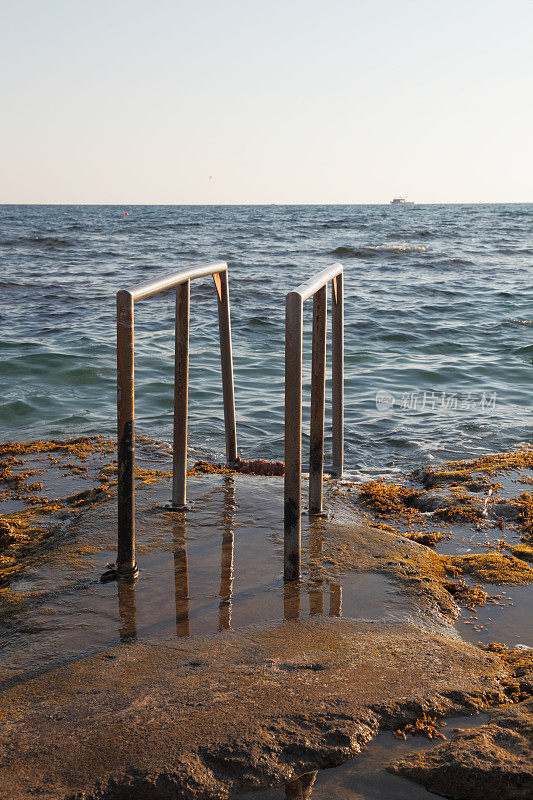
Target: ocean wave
pixel 424 234
pixel 167 226
pixel 375 249
pixel 14 285
pixel 515 251
pixel 452 262
pixel 340 224
pixel 37 241
pixel 259 322
pixel 527 350
pixel 17 411
pixel 58 317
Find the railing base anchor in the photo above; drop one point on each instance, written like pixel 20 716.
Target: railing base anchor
pixel 113 573
pixel 169 507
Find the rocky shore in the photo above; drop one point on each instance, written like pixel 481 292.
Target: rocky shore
pixel 487 763
pixel 117 692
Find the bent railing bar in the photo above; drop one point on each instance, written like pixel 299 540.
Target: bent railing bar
pixel 126 567
pixel 316 286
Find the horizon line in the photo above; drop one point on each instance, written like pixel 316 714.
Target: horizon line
pixel 240 204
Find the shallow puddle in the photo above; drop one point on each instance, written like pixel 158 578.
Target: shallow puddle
pixel 365 777
pixel 507 620
pixel 510 622
pixel 55 475
pixel 215 567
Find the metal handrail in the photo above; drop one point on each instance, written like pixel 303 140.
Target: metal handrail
pixel 316 287
pixel 126 567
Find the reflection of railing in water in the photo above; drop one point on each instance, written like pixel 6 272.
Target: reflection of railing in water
pixel 127 611
pixel 316 595
pixel 126 567
pixel 181 581
pixel 126 591
pixel 226 567
pixel 292 590
pixel 181 572
pixel 316 288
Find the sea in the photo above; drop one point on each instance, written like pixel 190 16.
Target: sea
pixel 438 324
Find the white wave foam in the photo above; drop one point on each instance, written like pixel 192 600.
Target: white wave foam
pixel 396 248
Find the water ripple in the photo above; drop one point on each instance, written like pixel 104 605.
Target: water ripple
pixel 437 305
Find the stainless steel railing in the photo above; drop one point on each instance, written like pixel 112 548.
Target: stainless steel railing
pixel 126 567
pixel 316 287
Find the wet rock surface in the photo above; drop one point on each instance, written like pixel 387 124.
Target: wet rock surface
pixel 100 700
pixel 493 762
pixel 499 568
pixel 210 717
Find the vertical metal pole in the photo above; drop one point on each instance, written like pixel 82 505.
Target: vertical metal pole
pixel 126 437
pixel 181 394
pixel 293 436
pixel 318 397
pixel 337 374
pixel 226 359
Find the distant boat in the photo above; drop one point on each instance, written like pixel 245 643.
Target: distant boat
pixel 401 201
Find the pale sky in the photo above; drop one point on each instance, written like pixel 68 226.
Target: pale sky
pixel 285 101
